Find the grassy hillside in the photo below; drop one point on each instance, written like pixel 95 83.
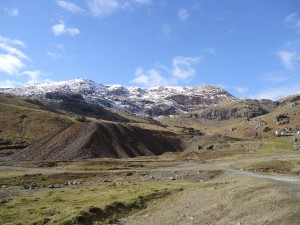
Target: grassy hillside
pixel 25 121
pixel 285 117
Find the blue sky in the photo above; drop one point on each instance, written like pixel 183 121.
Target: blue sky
pixel 251 47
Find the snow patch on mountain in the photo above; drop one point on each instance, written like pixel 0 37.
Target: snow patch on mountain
pixel 155 101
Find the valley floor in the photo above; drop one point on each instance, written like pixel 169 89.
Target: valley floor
pixel 153 190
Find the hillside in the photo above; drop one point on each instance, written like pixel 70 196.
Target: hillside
pixel 94 140
pixel 242 118
pixel 23 121
pixel 53 107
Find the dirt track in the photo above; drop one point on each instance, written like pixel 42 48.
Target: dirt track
pixel 235 197
pixel 183 166
pixel 238 197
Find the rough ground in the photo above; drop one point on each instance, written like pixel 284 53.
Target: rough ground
pixel 208 196
pixel 237 197
pixel 231 200
pixel 93 140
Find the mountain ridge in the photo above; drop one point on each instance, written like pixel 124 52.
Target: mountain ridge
pixel 157 101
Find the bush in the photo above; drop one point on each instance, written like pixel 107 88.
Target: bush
pixel 188 130
pixel 81 119
pixel 23 116
pixel 266 129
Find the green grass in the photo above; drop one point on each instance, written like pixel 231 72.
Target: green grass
pixel 278 166
pixel 265 146
pixel 37 123
pixel 47 179
pixel 64 206
pixel 276 144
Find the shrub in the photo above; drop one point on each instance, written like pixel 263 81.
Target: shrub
pixel 81 119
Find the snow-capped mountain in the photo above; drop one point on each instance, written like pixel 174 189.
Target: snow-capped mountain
pixel 156 101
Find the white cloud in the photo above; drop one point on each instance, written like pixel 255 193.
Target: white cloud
pixel 288 58
pixel 8 83
pixel 12 12
pixel 9 41
pixel 151 78
pixel 69 6
pixel 32 77
pixel 13 51
pixel 293 21
pixel 182 70
pixel 35 76
pixel 103 8
pixel 10 64
pixel 11 58
pixel 241 90
pixel 61 28
pixel 32 74
pixel 183 15
pixel 277 93
pixel 183 67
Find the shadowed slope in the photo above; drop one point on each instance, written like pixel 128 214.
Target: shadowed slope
pixel 92 140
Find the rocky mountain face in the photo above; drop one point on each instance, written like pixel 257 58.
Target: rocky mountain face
pixel 151 102
pixel 247 108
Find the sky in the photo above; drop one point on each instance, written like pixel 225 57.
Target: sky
pixel 251 48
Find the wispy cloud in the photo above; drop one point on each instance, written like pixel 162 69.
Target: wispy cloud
pixel 143 2
pixel 10 41
pixel 183 67
pixel 9 83
pixel 12 11
pixel 183 15
pixel 61 28
pixel 293 21
pixel 69 6
pixel 53 55
pixel 13 62
pixel 11 58
pixel 31 77
pixel 152 78
pixel 182 70
pixel 104 8
pixel 278 92
pixel 13 51
pixel 241 90
pixel 210 50
pixel 275 77
pixel 288 58
pixel 35 76
pixel 196 7
pixel 166 30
